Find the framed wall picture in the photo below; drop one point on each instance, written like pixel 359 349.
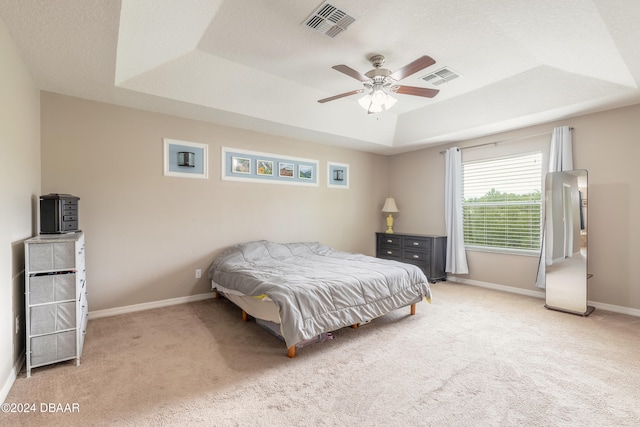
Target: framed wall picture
pixel 240 165
pixel 285 169
pixel 337 175
pixel 267 168
pixel 185 159
pixel 264 167
pixel 305 172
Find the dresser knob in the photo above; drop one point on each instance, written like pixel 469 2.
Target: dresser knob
pixel 389 252
pixel 389 241
pixel 416 256
pixel 416 244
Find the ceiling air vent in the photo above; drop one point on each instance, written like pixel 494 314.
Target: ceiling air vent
pixel 443 75
pixel 329 20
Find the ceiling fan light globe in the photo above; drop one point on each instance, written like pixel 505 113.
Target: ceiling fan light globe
pixel 390 102
pixel 365 101
pixel 378 97
pixel 374 108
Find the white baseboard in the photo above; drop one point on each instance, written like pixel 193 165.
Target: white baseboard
pixel 15 371
pixel 615 308
pixel 541 294
pixel 510 289
pixel 148 305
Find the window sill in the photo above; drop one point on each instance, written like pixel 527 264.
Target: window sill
pixel 503 251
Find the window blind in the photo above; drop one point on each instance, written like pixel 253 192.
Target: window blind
pixel 502 202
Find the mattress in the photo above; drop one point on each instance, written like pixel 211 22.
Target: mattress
pixel 260 308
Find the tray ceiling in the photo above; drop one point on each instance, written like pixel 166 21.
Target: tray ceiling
pixel 256 65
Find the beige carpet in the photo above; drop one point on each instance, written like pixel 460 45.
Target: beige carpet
pixel 475 357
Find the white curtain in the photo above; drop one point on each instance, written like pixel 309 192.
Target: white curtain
pixel 456 255
pixel 560 159
pixel 561 151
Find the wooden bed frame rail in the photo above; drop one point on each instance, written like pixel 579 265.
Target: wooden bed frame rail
pixel 291 351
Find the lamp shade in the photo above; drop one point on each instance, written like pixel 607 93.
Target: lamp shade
pixel 390 206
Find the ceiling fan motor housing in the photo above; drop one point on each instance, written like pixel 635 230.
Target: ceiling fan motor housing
pixel 379 73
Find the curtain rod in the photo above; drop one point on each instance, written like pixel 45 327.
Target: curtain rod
pixel 505 141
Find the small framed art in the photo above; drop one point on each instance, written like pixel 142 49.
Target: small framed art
pixel 185 159
pixel 240 165
pixel 305 172
pixel 264 167
pixel 285 169
pixel 337 175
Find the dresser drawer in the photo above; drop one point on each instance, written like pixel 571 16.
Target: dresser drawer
pixel 52 348
pixel 69 225
pixel 52 288
pixel 51 256
pixel 389 252
pixel 49 318
pixel 425 266
pixel 416 256
pixel 417 242
pixel 390 240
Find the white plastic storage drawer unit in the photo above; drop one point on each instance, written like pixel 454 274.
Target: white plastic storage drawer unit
pixel 55 298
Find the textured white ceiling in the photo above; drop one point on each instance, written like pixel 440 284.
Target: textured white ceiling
pixel 252 64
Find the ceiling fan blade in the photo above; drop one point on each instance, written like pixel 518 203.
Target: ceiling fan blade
pixel 351 72
pixel 342 95
pixel 417 65
pixel 417 91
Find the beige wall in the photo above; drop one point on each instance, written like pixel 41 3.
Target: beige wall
pixel 147 233
pixel 19 188
pixel 606 144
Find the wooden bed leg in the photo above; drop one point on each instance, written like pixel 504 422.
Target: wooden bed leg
pixel 217 295
pixel 413 309
pixel 292 351
pixel 244 316
pixel 354 326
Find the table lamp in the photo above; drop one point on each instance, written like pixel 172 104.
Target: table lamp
pixel 390 208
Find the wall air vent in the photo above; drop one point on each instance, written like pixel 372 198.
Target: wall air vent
pixel 443 75
pixel 329 20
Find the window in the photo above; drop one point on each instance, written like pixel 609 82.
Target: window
pixel 502 203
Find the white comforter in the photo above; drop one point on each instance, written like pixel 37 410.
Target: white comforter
pixel 316 288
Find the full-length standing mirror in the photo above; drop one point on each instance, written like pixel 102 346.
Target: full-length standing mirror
pixel 566 242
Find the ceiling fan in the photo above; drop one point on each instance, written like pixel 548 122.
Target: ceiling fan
pixel 379 82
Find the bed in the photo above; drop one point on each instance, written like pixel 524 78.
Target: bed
pixel 309 289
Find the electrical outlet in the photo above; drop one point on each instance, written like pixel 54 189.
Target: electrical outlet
pixel 198 273
pixel 17 325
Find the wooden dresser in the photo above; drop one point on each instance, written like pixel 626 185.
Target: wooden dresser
pixel 426 251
